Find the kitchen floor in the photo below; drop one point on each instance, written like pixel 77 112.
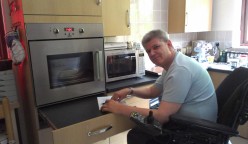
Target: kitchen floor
pixel 121 139
pixel 237 140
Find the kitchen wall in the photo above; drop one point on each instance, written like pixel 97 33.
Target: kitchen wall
pixel 147 15
pixel 224 38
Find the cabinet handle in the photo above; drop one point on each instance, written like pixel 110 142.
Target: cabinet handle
pixel 98 2
pixel 128 18
pixel 98 69
pixel 186 19
pixel 97 132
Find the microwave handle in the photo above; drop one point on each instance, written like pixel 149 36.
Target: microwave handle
pixel 98 69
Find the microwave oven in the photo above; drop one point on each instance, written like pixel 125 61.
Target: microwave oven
pixel 124 63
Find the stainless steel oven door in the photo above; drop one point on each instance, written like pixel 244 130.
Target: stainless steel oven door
pixel 66 69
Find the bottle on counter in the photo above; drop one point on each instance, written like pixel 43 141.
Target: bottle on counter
pixel 216 52
pixel 222 57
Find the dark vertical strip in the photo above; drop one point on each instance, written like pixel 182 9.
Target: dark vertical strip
pixel 3 46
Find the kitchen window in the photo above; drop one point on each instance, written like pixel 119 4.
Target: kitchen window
pixel 244 23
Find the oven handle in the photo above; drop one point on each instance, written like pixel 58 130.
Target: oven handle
pixel 98 69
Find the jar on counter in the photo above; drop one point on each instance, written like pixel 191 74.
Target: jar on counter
pixel 243 60
pixel 222 57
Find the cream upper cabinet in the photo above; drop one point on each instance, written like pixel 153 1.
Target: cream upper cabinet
pixel 62 7
pixel 116 17
pixel 56 11
pixel 226 15
pixel 189 16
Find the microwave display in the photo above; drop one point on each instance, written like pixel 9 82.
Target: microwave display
pixel 70 69
pixel 121 65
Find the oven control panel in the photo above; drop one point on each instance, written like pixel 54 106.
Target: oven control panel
pixel 63 31
pixel 68 31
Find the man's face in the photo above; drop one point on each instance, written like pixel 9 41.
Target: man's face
pixel 159 52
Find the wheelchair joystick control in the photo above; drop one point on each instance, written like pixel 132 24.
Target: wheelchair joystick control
pixel 149 119
pixel 147 122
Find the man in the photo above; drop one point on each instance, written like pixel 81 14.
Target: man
pixel 185 86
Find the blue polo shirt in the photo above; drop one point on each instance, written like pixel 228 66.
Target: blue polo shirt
pixel 188 83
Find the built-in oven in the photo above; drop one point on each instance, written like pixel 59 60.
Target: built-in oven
pixel 67 61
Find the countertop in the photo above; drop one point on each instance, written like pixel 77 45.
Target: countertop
pixel 132 82
pixel 220 67
pixel 150 78
pixel 56 113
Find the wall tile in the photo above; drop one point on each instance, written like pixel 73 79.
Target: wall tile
pixel 164 16
pixel 157 4
pixel 164 4
pixel 148 15
pixel 156 16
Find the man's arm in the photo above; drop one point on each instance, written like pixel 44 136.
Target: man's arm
pixel 146 92
pixel 142 92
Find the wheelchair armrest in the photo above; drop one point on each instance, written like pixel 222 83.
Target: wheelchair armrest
pixel 201 124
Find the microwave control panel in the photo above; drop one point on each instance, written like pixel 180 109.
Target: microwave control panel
pixel 141 62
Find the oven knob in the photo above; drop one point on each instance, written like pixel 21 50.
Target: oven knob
pixel 55 30
pixel 81 30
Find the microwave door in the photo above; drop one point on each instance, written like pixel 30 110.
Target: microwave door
pixel 120 64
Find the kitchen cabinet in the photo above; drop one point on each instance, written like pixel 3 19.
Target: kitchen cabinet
pixel 116 17
pixel 79 132
pixel 121 138
pixel 8 114
pixel 62 7
pixel 86 132
pixel 223 12
pixel 189 16
pixel 83 132
pixel 217 77
pixel 58 11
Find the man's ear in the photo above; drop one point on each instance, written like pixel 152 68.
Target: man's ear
pixel 169 43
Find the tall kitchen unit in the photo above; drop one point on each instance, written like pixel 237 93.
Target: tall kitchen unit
pixel 115 17
pixel 24 12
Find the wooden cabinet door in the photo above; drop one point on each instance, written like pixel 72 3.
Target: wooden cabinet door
pixel 226 15
pixel 62 7
pixel 116 17
pixel 217 77
pixel 189 16
pixel 198 15
pixel 92 130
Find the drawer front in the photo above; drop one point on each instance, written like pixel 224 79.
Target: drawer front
pixel 8 85
pixel 6 75
pixel 7 82
pixel 92 130
pixel 12 95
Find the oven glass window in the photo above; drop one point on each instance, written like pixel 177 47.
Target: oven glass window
pixel 121 65
pixel 70 69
